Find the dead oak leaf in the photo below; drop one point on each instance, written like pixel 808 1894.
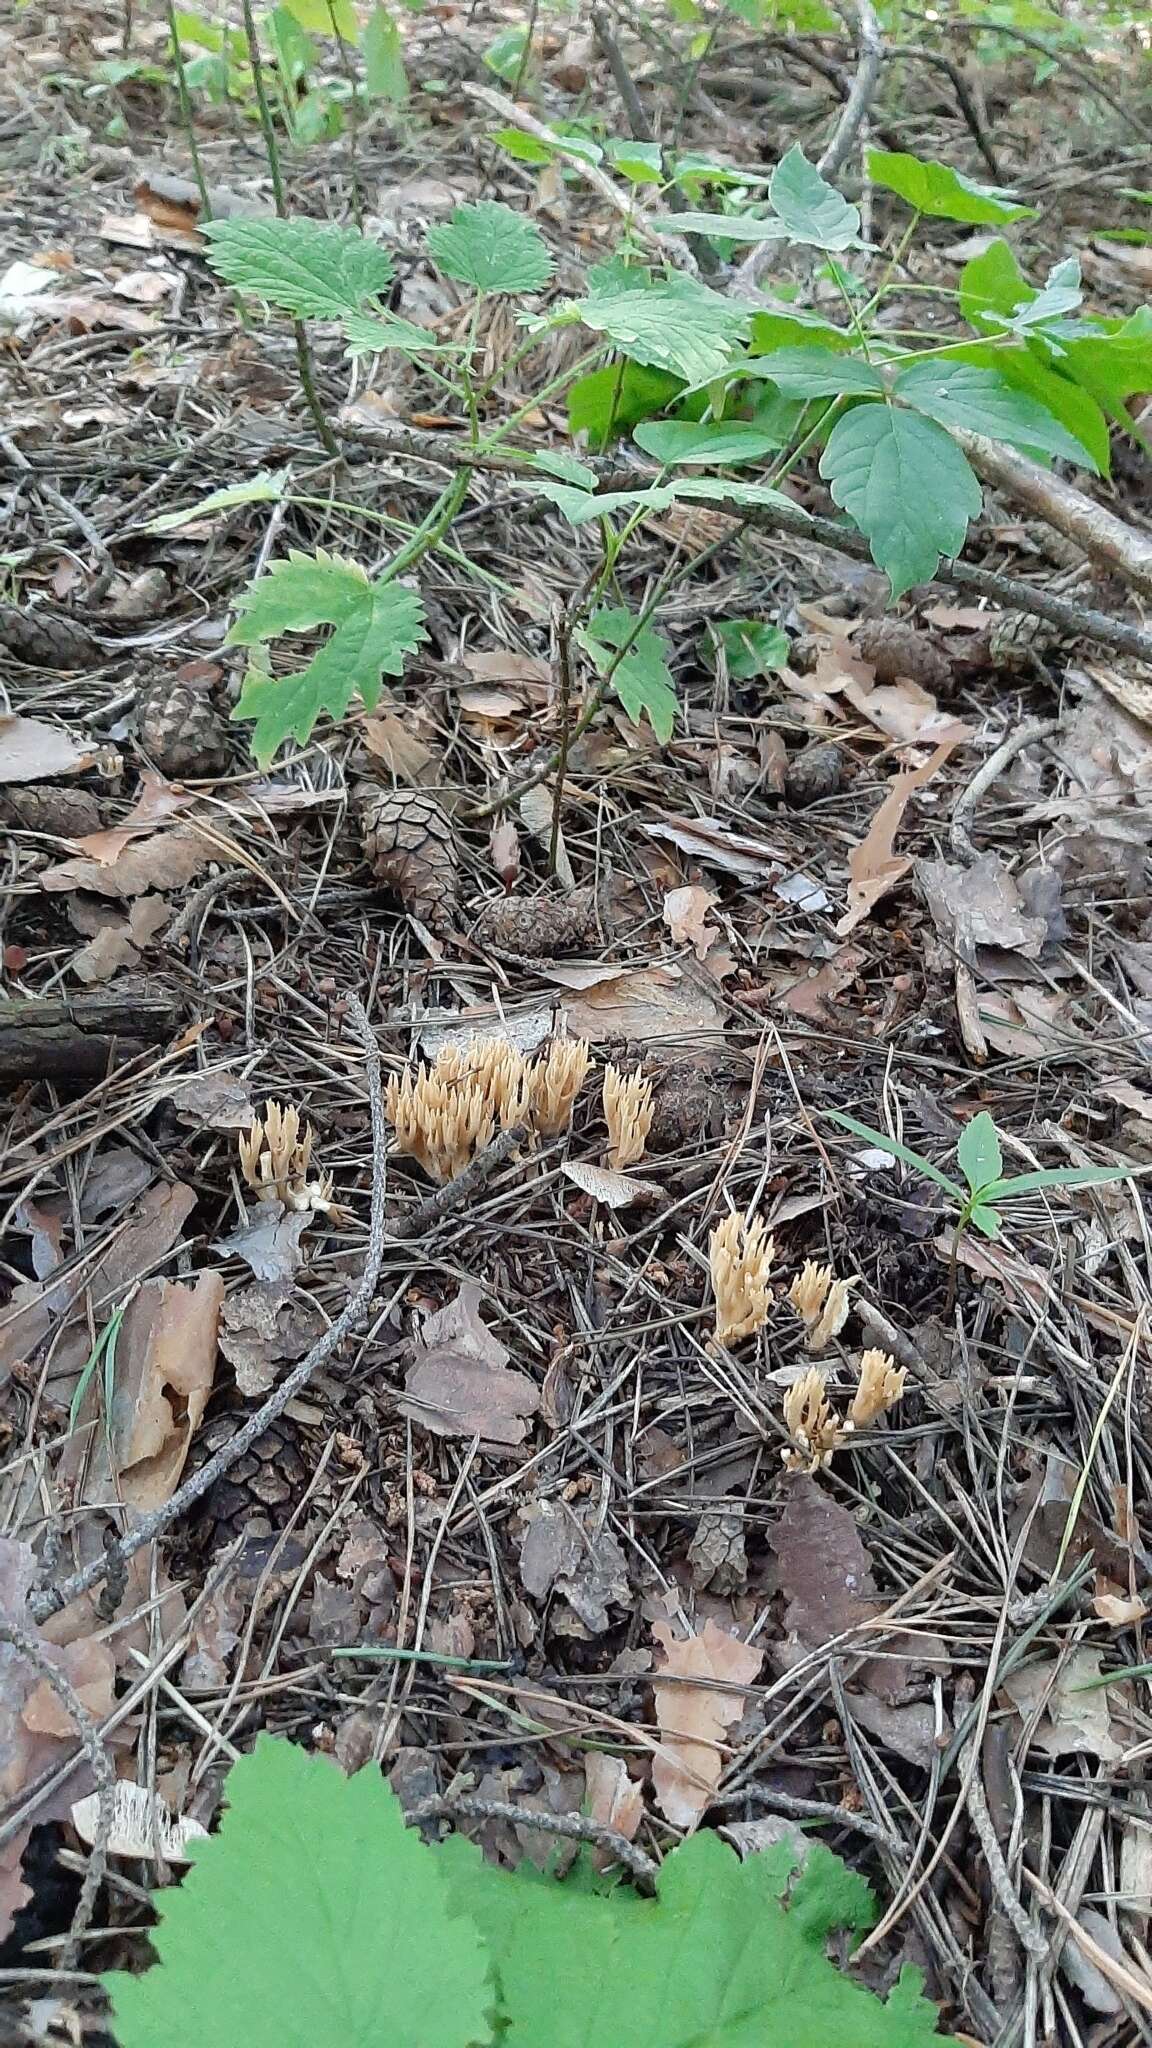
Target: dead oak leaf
pixel 459 1384
pixel 158 800
pixel 168 860
pixel 695 1718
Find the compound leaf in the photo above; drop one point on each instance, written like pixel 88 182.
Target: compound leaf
pixel 907 486
pixel 641 677
pixel 816 373
pixel 937 189
pixel 308 269
pixel 981 402
pixel 718 441
pixel 809 208
pixel 492 248
pixel 315 1919
pixel 674 323
pixel 376 625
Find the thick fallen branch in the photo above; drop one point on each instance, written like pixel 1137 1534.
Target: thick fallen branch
pixel 1103 537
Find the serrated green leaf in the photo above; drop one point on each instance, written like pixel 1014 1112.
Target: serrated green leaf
pixel 384 75
pixel 641 678
pixel 376 625
pixel 490 247
pixel 772 331
pixel 581 506
pixel 315 1918
pixel 323 19
pixel 981 402
pixel 308 269
pixel 717 1960
pixel 816 373
pixel 717 441
pixel 751 647
pixel 993 282
pixel 907 486
pixel 937 189
pixel 673 323
pixel 978 1153
pixel 373 333
pixel 607 403
pixel 810 209
pixel 267 488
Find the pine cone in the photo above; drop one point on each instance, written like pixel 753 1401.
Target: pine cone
pixel 47 639
pixel 1014 642
pixel 40 807
pixel 538 927
pixel 180 729
pixel 818 771
pixel 261 1488
pixel 897 649
pixel 410 846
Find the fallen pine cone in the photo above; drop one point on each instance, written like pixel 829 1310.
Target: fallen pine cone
pixel 897 649
pixel 47 639
pixel 61 813
pixel 539 927
pixel 410 846
pixel 818 771
pixel 1013 642
pixel 180 729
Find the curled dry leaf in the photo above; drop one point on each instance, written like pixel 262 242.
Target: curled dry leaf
pixel 165 1362
pixel 168 860
pixel 613 1799
pixel 709 840
pixel 685 914
pixel 158 800
pixel 571 1554
pixel 459 1383
pixel 31 750
pixel 614 1190
pixel 1074 1707
pixel 874 866
pixel 693 1718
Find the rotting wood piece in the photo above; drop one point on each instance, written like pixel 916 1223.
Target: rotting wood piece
pixel 81 1038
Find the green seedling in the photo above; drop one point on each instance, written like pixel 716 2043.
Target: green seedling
pixel 981 1161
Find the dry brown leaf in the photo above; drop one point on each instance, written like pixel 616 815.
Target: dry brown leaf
pixel 979 905
pixel 165 1361
pixel 1117 1609
pixel 31 750
pixel 268 1240
pixel 814 995
pixel 825 1571
pixel 570 1553
pixel 614 1190
pixel 903 709
pixel 119 939
pixel 169 860
pixel 614 1800
pixel 1076 1716
pixel 262 1325
pixel 874 865
pixel 499 666
pixel 158 800
pixel 459 1384
pixel 694 1719
pixel 709 840
pixel 391 741
pixel 685 914
pixel 643 1003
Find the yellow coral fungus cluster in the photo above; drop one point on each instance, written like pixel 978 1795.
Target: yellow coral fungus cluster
pixel 275 1154
pixel 815 1427
pixel 445 1113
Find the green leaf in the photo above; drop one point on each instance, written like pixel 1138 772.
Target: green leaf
pixel 816 373
pixel 751 647
pixel 322 19
pixel 489 246
pixel 906 485
pixel 727 490
pixel 641 678
pixel 376 625
pixel 529 149
pixel 1057 1177
pixel 986 1219
pixel 267 488
pixel 719 1959
pixel 978 1153
pixel 642 163
pixel 715 441
pixel 315 1918
pixel 981 402
pixel 811 210
pixel 674 323
pixel 1025 368
pixel 373 333
pixel 291 46
pixel 723 227
pixel 773 331
pixel 993 282
pixel 384 75
pixel 558 463
pixel 935 188
pixel 897 1151
pixel 505 56
pixel 582 506
pixel 310 270
pixel 1113 365
pixel 607 403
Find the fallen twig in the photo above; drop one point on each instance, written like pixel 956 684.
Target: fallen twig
pixel 456 1192
pixel 52 1598
pixel 572 1827
pixel 1025 736
pixel 1103 537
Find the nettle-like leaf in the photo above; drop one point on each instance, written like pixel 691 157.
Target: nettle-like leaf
pixel 724 227
pixel 266 488
pixel 673 323
pixel 375 626
pixel 907 486
pixel 980 402
pixel 720 1956
pixel 641 678
pixel 937 189
pixel 307 268
pixel 374 333
pixel 492 248
pixel 315 1916
pixel 816 373
pixel 811 210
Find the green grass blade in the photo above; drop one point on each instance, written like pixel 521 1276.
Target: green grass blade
pixel 897 1151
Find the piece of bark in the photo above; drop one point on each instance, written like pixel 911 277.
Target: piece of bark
pixel 81 1039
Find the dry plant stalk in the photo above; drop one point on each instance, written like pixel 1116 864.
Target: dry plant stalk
pixel 275 1154
pixel 555 1081
pixel 628 1114
pixel 815 1428
pixel 821 1301
pixel 740 1255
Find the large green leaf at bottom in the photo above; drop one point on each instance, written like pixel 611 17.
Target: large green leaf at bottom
pixel 907 486
pixel 315 1919
pixel 716 1960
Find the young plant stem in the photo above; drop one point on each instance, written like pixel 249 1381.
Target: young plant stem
pixel 186 121
pixel 271 150
pixel 526 49
pixel 431 528
pixel 345 63
pixel 564 669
